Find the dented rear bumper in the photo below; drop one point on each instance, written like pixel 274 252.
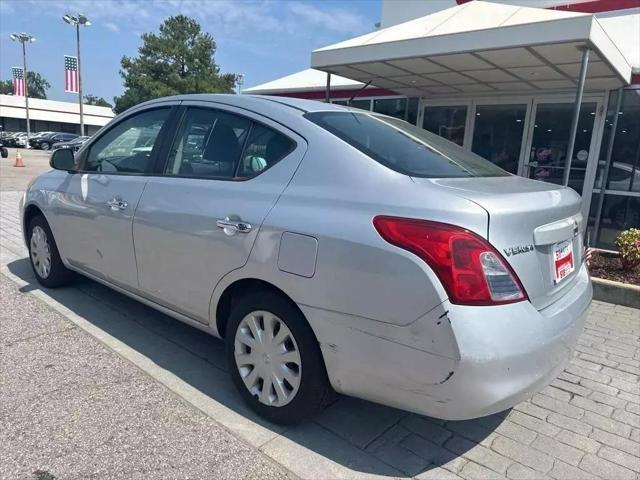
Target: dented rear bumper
pixel 456 362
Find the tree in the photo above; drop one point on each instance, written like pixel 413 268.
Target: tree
pixel 179 59
pixel 97 101
pixel 36 84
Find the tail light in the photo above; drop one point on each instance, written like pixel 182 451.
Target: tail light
pixel 470 269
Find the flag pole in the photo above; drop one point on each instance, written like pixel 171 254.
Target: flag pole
pixel 78 20
pixel 24 38
pixel 79 81
pixel 26 92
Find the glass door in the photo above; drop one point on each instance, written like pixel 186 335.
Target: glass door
pixel 549 142
pixel 497 133
pixel 448 121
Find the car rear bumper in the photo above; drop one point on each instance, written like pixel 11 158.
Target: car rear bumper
pixel 495 357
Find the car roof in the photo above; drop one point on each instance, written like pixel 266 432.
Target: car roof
pixel 256 102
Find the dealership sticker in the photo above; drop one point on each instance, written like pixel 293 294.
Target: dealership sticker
pixel 562 260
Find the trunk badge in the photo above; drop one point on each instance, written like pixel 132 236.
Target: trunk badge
pixel 517 250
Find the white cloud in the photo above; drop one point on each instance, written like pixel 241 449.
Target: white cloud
pixel 229 18
pixel 334 19
pixel 112 26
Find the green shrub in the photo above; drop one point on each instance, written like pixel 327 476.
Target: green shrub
pixel 628 243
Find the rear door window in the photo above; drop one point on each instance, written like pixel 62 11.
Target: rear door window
pixel 403 147
pixel 208 145
pixel 265 148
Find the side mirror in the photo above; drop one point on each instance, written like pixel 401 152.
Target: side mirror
pixel 62 159
pixel 4 153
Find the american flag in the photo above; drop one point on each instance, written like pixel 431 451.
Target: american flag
pixel 588 253
pixel 18 81
pixel 70 74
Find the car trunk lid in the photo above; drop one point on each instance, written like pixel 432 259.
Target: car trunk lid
pixel 536 226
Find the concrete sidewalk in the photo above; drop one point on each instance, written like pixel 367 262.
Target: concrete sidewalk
pixel 586 425
pixel 72 408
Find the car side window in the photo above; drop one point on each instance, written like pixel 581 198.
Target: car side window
pixel 127 147
pixel 265 148
pixel 208 145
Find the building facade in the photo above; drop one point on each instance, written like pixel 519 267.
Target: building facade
pixel 501 79
pixel 50 116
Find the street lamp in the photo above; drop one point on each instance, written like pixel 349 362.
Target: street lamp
pixel 77 20
pixel 240 82
pixel 24 38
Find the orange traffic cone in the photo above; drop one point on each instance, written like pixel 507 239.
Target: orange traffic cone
pixel 18 160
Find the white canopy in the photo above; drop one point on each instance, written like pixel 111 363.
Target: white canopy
pixel 480 47
pixel 308 80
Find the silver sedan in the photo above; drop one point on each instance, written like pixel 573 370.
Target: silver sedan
pixel 332 249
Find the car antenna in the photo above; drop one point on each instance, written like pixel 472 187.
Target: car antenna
pixel 357 93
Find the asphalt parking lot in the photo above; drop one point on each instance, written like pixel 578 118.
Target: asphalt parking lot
pixel 95 384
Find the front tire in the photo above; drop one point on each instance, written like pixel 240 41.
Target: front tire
pixel 44 256
pixel 45 146
pixel 274 358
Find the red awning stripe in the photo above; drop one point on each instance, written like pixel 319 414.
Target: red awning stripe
pixel 593 6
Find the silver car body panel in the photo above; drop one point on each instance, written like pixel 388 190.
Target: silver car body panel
pixel 387 331
pixel 176 218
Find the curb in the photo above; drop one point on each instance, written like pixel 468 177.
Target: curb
pixel 616 292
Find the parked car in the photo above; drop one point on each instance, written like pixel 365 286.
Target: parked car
pixel 74 144
pixel 20 140
pixel 11 139
pixel 45 142
pixel 330 247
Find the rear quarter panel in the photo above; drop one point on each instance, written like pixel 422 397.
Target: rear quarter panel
pixel 333 197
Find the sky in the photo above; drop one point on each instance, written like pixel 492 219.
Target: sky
pixel 262 39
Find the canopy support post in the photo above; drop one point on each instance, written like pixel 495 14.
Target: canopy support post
pixel 327 91
pixel 605 170
pixel 576 116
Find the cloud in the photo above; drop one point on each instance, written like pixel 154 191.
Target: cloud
pixel 112 26
pixel 229 18
pixel 334 19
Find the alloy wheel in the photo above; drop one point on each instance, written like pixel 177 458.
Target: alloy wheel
pixel 40 251
pixel 267 358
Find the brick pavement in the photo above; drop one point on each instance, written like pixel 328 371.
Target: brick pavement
pixel 585 425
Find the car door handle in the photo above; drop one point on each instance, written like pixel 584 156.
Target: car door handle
pixel 232 226
pixel 116 204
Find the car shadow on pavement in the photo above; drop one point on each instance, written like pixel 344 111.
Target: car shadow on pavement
pixel 356 436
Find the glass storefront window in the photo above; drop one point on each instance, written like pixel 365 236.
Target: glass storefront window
pixel 619 212
pixel 394 107
pixel 619 208
pixel 448 122
pixel 412 111
pixel 497 134
pixel 550 142
pixel 623 174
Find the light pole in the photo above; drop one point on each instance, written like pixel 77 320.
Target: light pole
pixel 24 38
pixel 240 82
pixel 77 20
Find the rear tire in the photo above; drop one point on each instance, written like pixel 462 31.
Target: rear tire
pixel 283 377
pixel 44 256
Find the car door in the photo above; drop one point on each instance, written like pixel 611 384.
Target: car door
pixel 94 208
pixel 199 220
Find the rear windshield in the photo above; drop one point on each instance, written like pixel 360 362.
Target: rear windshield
pixel 403 147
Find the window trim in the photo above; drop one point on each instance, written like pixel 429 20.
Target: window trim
pixel 161 166
pixel 155 151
